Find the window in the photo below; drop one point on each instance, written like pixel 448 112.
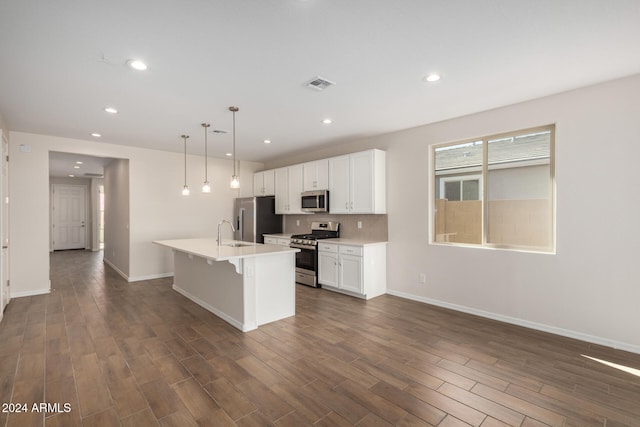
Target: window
pixel 496 191
pixel 461 187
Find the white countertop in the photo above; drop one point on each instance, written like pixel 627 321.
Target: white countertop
pixel 280 235
pixel 208 248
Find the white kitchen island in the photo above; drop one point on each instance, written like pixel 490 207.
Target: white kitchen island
pixel 247 286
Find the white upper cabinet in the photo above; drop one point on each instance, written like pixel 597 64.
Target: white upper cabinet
pixel 288 187
pixel 264 183
pixel 315 175
pixel 357 183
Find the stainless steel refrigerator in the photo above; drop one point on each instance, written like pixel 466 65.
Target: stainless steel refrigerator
pixel 255 216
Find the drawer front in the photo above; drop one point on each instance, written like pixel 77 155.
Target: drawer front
pixel 284 242
pixel 351 250
pixel 271 240
pixel 327 247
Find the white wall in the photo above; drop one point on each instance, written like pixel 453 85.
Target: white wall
pixel 589 288
pixel 116 216
pixel 95 213
pixel 157 209
pixel 4 217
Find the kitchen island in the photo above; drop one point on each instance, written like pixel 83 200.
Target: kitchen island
pixel 245 284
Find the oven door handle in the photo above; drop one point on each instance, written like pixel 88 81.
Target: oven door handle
pixel 297 246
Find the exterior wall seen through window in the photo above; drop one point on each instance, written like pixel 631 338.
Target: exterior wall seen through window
pixel 496 191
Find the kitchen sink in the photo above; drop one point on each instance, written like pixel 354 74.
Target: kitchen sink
pixel 237 244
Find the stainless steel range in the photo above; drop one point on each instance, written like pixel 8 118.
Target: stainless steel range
pixel 307 258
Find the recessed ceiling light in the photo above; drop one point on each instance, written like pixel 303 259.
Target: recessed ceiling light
pixel 267 141
pixel 76 167
pixel 71 175
pixel 79 163
pixel 228 154
pixel 137 64
pixel 111 110
pixel 433 77
pixel 96 135
pixel 327 121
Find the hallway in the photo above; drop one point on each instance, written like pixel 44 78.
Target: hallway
pixel 104 352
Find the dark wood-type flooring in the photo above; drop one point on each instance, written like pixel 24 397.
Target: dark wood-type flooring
pixel 139 354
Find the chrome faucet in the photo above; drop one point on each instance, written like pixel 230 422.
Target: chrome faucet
pixel 220 226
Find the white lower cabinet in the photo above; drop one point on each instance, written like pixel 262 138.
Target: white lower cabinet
pixel 328 268
pixel 356 270
pixel 350 273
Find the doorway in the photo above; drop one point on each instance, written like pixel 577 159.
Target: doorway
pixel 68 217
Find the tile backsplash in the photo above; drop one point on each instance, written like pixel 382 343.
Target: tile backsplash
pixel 374 227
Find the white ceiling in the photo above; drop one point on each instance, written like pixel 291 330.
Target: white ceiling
pixel 65 164
pixel 63 61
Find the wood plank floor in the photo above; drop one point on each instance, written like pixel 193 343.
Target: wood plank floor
pixel 140 354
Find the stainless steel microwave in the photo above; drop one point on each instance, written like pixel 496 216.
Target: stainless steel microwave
pixel 315 201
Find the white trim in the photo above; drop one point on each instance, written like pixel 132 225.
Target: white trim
pixel 150 277
pixel 520 322
pixel 136 278
pixel 120 272
pixel 233 322
pixel 30 293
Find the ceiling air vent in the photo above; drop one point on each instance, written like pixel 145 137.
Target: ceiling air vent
pixel 319 83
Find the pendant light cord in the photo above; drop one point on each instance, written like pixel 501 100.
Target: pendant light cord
pixel 206 174
pixel 233 110
pixel 184 137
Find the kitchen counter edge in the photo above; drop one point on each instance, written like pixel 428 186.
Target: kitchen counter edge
pixel 208 248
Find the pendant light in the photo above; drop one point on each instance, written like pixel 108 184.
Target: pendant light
pixel 235 181
pixel 185 189
pixel 206 188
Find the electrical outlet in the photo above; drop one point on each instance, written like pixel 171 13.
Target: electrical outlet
pixel 359 224
pixel 297 223
pixel 422 278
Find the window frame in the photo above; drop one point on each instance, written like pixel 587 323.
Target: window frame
pixel 484 170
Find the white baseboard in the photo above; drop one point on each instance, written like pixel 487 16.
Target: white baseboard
pixel 30 293
pixel 150 277
pixel 233 322
pixel 117 270
pixel 136 278
pixel 525 323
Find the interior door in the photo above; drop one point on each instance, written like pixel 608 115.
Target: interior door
pixel 69 216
